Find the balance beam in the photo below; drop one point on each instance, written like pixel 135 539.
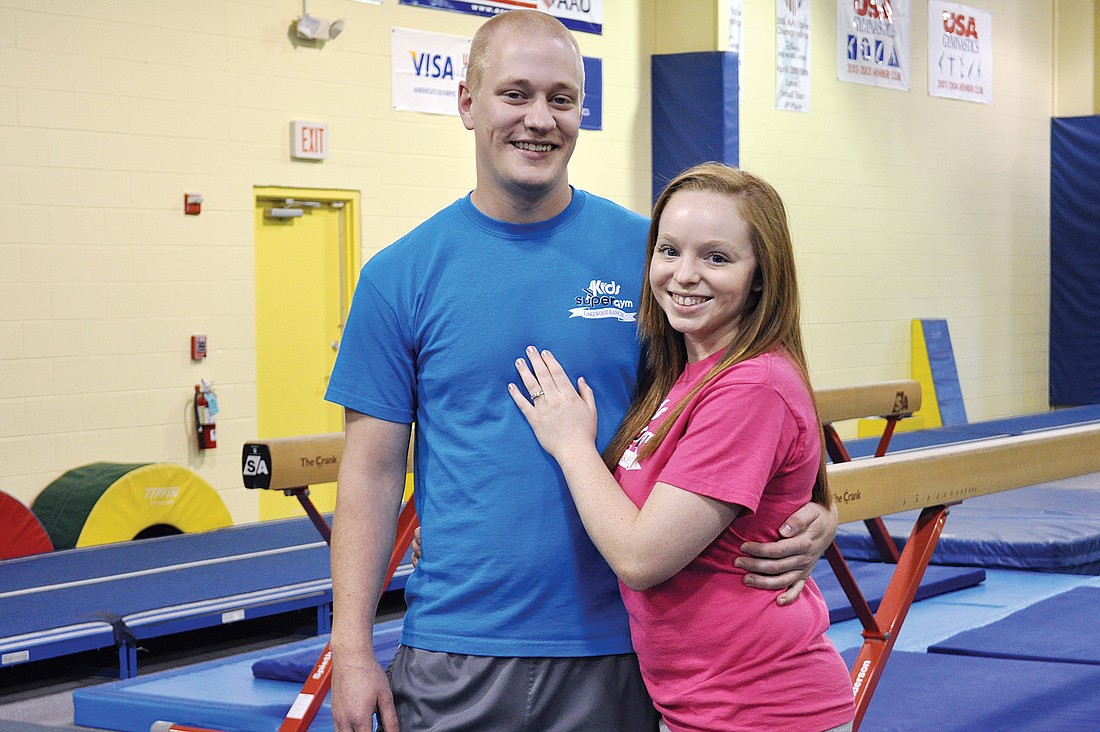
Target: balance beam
pixel 931 480
pixel 951 473
pixel 292 464
pixel 284 463
pixel 884 399
pixel 890 400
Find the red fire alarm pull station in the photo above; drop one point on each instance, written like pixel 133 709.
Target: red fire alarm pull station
pixel 192 204
pixel 198 347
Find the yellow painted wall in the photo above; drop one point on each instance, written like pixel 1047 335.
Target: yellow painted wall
pixel 909 206
pixel 1076 77
pixel 109 112
pixel 903 205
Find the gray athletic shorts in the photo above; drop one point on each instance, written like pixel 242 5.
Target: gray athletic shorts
pixel 448 692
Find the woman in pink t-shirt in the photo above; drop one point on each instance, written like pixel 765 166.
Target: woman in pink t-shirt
pixel 720 445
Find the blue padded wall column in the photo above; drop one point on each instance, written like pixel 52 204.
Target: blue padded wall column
pixel 1075 261
pixel 695 110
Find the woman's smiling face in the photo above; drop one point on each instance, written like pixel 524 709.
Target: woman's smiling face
pixel 703 269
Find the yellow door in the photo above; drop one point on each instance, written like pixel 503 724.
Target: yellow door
pixel 305 253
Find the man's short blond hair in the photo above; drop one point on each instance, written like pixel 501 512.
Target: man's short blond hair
pixel 532 22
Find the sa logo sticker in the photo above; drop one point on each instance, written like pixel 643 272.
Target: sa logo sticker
pixel 256 466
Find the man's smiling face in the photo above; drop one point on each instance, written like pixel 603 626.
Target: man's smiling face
pixel 525 116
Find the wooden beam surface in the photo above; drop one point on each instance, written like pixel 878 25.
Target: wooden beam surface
pixel 867 488
pixel 883 399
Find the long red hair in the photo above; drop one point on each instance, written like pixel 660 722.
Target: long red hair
pixel 770 321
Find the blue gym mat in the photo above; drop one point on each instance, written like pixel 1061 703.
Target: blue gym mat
pixel 221 695
pixel 872 578
pixel 1052 527
pixel 225 694
pixel 1019 425
pixel 934 691
pixel 296 664
pixel 116 594
pixel 1029 635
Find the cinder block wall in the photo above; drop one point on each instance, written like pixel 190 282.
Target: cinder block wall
pixel 903 205
pixel 909 206
pixel 110 112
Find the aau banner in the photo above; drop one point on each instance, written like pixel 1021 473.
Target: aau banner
pixel 578 15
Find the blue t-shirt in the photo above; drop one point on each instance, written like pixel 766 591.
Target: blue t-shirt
pixel 437 323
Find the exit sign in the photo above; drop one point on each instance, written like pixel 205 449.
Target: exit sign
pixel 309 140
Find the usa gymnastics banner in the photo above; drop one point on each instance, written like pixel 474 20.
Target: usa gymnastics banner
pixel 960 52
pixel 578 15
pixel 872 40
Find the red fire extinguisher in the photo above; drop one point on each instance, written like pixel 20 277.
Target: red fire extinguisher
pixel 206 407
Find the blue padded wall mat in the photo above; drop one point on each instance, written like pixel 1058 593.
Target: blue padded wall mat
pixel 1074 260
pixel 1046 528
pixel 945 377
pixel 694 112
pixel 1064 628
pixel 934 691
pixel 872 578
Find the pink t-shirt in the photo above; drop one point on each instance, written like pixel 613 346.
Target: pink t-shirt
pixel 717 655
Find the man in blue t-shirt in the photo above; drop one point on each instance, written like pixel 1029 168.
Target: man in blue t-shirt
pixel 514 620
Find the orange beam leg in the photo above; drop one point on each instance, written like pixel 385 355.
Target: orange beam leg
pixel 319 681
pixel 880 636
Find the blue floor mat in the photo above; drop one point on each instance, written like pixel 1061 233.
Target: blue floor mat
pixel 919 692
pixel 218 695
pixel 297 664
pixel 872 578
pixel 1064 628
pixel 226 695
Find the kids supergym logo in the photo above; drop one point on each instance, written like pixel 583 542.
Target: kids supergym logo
pixel 601 300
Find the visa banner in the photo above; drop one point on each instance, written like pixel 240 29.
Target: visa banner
pixel 426 70
pixel 427 67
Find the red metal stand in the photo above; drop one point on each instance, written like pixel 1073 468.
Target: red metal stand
pixel 880 630
pixel 319 681
pixel 317 685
